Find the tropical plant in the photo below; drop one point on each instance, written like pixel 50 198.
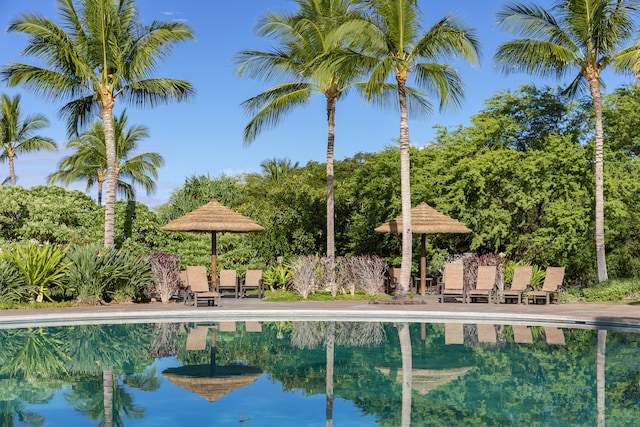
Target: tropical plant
pixel 277 276
pixel 166 279
pixel 304 274
pixel 308 39
pixel 400 47
pixel 369 273
pixel 582 37
pixel 275 168
pixel 84 277
pixel 100 52
pixel 17 133
pixel 12 284
pixel 89 162
pixel 42 267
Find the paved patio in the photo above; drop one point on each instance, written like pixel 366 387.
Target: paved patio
pixel 583 315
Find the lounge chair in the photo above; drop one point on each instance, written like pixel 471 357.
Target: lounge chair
pixel 252 281
pixel 453 333
pixel 522 334
pixel 485 283
pixel 253 326
pixel 486 333
pixel 197 338
pixel 199 287
pixel 227 327
pixel 452 282
pixel 555 336
pixel 552 285
pixel 520 283
pixel 228 282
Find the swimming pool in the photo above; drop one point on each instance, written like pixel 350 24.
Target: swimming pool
pixel 307 373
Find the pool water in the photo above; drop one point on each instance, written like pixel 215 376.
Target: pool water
pixel 318 373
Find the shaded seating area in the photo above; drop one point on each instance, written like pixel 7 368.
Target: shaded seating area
pixel 519 284
pixel 198 287
pixel 453 282
pixel 228 282
pixel 485 284
pixel 251 282
pixel 552 286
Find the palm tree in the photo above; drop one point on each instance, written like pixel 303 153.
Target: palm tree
pixel 579 37
pixel 100 53
pixel 17 133
pixel 402 49
pixel 89 162
pixel 274 169
pixel 308 41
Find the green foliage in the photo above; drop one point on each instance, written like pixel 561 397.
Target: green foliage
pixel 41 267
pixel 277 276
pixel 12 283
pixel 47 214
pixel 611 290
pixel 98 274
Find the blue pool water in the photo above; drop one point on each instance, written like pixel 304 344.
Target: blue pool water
pixel 318 373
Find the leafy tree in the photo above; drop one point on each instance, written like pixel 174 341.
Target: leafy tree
pixel 100 53
pixel 17 133
pixel 89 162
pixel 276 168
pixel 402 49
pixel 574 36
pixel 307 40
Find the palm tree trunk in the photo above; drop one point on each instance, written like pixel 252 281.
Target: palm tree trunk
pixel 110 201
pixel 407 367
pixel 331 118
pixel 402 289
pixel 12 171
pixel 330 346
pixel 107 388
pixel 596 98
pixel 100 182
pixel 600 377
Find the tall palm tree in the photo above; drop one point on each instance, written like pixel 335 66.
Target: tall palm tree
pixel 17 133
pixel 307 40
pixel 100 53
pixel 402 50
pixel 578 37
pixel 274 169
pixel 89 162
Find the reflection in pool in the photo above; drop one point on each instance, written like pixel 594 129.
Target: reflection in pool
pixel 318 373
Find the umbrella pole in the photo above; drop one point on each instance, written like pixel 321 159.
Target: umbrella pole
pixel 423 264
pixel 214 260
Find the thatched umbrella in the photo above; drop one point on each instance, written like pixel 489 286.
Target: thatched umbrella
pixel 199 379
pixel 425 220
pixel 213 218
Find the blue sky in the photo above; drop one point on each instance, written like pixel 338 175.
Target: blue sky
pixel 204 136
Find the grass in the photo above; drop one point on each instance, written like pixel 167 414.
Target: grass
pixel 614 290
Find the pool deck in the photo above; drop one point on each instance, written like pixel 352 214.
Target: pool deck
pixel 575 315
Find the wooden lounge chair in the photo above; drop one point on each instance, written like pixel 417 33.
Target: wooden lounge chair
pixel 252 281
pixel 555 336
pixel 199 287
pixel 520 283
pixel 228 282
pixel 522 334
pixel 453 333
pixel 485 284
pixel 486 333
pixel 197 338
pixel 452 282
pixel 253 326
pixel 227 327
pixel 552 285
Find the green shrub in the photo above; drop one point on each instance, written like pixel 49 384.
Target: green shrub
pixel 277 276
pixel 611 290
pixel 84 276
pixel 40 266
pixel 12 285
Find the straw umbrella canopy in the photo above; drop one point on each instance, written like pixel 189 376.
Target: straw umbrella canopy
pixel 214 218
pixel 425 220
